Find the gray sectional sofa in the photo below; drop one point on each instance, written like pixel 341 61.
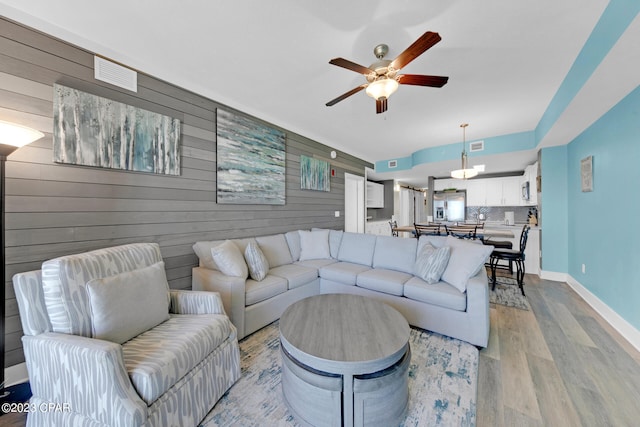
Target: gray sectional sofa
pixel 305 263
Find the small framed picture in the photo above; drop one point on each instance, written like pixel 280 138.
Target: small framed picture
pixel 586 174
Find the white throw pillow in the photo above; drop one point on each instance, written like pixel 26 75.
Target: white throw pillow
pixel 229 259
pixel 314 245
pixel 465 261
pixel 127 304
pixel 256 261
pixel 431 263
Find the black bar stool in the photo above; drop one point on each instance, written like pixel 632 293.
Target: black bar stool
pixel 513 256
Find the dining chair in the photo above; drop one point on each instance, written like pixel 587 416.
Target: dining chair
pixel 512 256
pixel 394 228
pixel 464 231
pixel 427 229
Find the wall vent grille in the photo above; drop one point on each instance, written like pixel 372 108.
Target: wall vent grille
pixel 115 74
pixel 476 146
pixel 392 164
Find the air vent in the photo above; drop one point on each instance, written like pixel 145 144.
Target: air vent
pixel 115 74
pixel 476 146
pixel 392 164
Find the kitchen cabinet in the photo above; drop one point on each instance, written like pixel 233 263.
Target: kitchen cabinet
pixel 445 184
pixel 503 191
pixel 476 192
pixel 380 228
pixel 375 195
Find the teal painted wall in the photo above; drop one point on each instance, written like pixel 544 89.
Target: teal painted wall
pixel 554 213
pixel 603 232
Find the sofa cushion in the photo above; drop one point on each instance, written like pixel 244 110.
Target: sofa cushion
pixel 395 254
pixel 357 248
pixel 317 263
pixel 343 272
pixel 276 249
pixel 263 290
pixel 314 245
pixel 296 274
pixel 441 294
pixel 160 357
pixel 435 241
pixel 203 251
pixel 256 262
pixel 431 262
pixel 383 280
pixel 465 261
pixel 64 281
pixel 293 240
pixel 229 259
pixel 117 314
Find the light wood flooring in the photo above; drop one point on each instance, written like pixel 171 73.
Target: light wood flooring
pixel 559 364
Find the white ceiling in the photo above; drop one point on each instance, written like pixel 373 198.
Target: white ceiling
pixel 505 61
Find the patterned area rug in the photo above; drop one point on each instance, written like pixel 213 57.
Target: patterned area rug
pixel 508 293
pixel 443 381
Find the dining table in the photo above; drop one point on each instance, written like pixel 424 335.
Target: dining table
pixel 484 233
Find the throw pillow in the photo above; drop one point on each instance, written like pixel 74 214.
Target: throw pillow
pixel 314 244
pixel 256 261
pixel 431 263
pixel 127 304
pixel 465 261
pixel 229 259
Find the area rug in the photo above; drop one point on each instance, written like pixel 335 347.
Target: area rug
pixel 507 292
pixel 443 381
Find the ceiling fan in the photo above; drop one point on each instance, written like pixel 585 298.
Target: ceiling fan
pixel 382 76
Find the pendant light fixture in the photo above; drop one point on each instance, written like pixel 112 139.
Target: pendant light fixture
pixel 464 172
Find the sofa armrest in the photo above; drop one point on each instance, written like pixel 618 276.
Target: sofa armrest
pixel 478 305
pixel 195 302
pixel 85 376
pixel 230 288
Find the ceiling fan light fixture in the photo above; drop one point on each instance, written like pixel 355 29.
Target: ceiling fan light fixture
pixel 382 88
pixel 464 172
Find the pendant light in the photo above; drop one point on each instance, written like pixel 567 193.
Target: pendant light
pixel 464 172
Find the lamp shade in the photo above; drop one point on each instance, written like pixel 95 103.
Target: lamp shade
pixel 13 136
pixel 382 88
pixel 464 173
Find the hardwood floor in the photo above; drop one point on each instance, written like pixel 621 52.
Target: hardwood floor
pixel 559 364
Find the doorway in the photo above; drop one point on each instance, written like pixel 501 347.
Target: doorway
pixel 354 210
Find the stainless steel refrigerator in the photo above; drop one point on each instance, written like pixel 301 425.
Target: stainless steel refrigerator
pixel 449 205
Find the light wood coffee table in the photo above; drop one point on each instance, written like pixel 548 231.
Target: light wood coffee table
pixel 344 361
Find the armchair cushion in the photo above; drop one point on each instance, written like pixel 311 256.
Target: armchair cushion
pixel 127 304
pixel 158 358
pixel 195 302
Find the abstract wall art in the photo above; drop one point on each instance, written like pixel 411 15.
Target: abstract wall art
pixel 314 174
pixel 250 161
pixel 90 130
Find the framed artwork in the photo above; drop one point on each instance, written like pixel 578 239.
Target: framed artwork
pixel 314 174
pixel 586 174
pixel 250 161
pixel 90 130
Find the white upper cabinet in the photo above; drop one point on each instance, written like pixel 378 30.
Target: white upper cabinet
pixel 477 192
pixel 375 195
pixel 503 191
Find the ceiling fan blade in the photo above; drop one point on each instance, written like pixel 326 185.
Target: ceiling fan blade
pixel 418 47
pixel 345 63
pixel 420 80
pixel 346 95
pixel 381 105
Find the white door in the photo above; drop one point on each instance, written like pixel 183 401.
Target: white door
pixel 406 207
pixel 354 210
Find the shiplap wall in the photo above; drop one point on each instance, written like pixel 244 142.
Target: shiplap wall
pixel 54 210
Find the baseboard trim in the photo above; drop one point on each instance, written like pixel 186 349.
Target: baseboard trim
pixel 554 276
pixel 16 374
pixel 628 331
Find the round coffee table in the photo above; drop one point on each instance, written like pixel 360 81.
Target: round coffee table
pixel 344 361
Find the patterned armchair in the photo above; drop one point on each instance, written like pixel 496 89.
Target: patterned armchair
pixel 107 343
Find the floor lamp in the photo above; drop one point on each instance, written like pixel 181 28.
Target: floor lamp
pixel 12 137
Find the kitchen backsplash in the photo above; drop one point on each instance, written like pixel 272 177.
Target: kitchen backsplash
pixel 496 213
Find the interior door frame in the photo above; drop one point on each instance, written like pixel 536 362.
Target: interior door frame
pixel 354 206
